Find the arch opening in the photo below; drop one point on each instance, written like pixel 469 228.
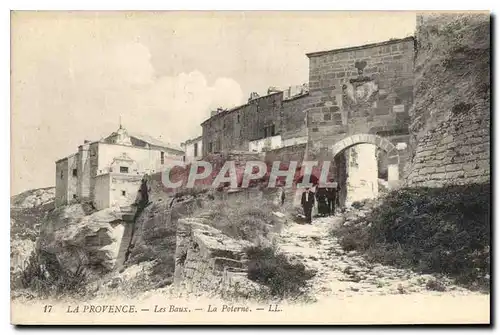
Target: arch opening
pixel 364 164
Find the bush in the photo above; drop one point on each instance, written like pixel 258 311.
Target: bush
pixel 48 278
pixel 270 268
pixel 431 230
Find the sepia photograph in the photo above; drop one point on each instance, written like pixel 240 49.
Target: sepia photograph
pixel 250 168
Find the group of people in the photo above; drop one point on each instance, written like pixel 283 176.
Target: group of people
pixel 326 197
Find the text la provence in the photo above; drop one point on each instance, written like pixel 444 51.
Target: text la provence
pixel 102 309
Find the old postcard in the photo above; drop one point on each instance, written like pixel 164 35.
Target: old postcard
pixel 203 168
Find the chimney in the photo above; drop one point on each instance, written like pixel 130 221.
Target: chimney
pixel 86 141
pixel 272 89
pixel 253 96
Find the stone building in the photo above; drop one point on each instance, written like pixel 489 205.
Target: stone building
pixel 260 124
pixel 108 172
pixel 358 112
pixel 192 149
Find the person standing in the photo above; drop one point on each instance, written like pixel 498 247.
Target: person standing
pixel 331 193
pixel 282 195
pixel 307 202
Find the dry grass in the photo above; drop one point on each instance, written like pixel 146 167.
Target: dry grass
pixel 246 219
pixel 431 230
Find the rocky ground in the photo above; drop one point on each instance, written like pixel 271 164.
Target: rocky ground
pixel 340 273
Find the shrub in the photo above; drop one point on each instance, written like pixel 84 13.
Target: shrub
pixel 48 278
pixel 268 267
pixel 442 230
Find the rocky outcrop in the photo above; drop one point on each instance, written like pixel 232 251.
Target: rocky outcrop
pixel 78 240
pixel 208 261
pixel 33 198
pixel 28 210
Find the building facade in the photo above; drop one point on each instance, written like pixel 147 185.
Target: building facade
pixel 193 149
pixel 108 172
pixel 250 127
pixel 358 112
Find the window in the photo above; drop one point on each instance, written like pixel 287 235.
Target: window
pixel 210 147
pixel 74 196
pixel 75 173
pixel 123 169
pixel 62 174
pixel 269 131
pixel 196 150
pixel 162 158
pixel 124 193
pixel 327 117
pixel 238 118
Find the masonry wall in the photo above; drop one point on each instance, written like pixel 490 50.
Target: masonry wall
pixel 102 191
pixel 83 166
pixel 123 189
pixel 61 197
pixel 147 160
pixel 451 118
pixel 72 194
pixel 205 258
pixel 189 149
pixel 268 143
pixel 367 89
pixel 293 117
pixel 234 129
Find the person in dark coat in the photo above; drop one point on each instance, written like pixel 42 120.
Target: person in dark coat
pixel 321 198
pixel 331 195
pixel 307 202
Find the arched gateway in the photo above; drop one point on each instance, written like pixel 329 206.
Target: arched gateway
pixel 379 142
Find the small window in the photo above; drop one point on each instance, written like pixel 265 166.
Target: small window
pixel 62 174
pixel 196 150
pixel 327 117
pixel 123 169
pixel 238 118
pixel 74 196
pixel 315 130
pixel 75 173
pixel 124 193
pixel 162 157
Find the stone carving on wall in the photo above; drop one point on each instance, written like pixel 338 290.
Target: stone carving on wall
pixel 361 92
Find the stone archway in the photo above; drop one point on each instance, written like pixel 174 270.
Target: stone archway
pixel 379 142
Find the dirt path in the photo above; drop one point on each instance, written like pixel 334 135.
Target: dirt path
pixel 346 274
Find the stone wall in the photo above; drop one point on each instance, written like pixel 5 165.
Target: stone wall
pixel 233 129
pixel 360 90
pixel 260 118
pixel 293 117
pixel 455 152
pixel 207 261
pixel 451 116
pixel 83 166
pixel 66 181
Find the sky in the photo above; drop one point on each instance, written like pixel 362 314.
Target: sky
pixel 75 74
